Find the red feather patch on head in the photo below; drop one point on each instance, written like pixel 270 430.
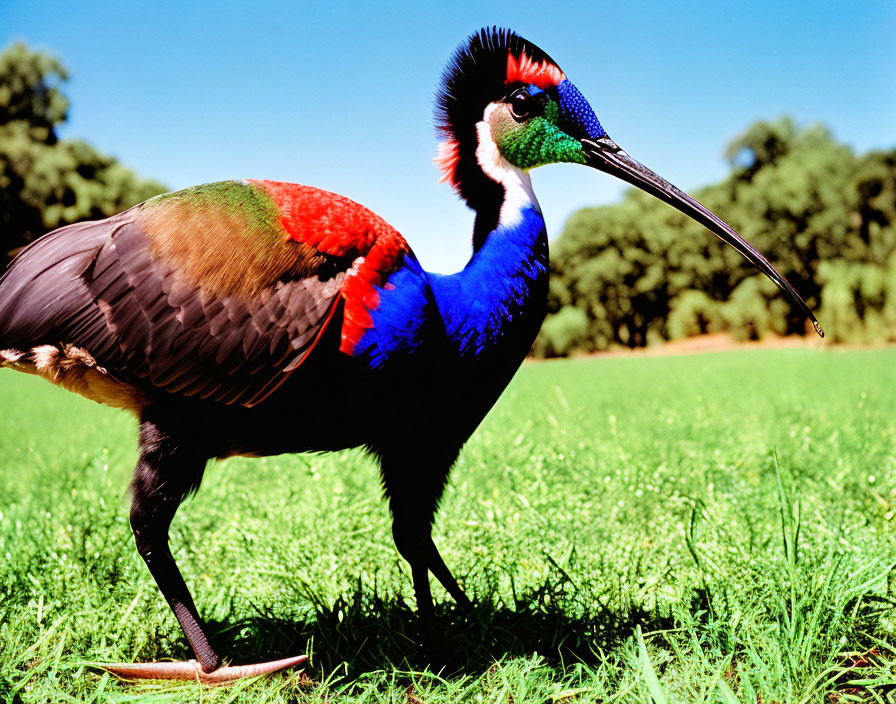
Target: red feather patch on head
pixel 446 159
pixel 542 74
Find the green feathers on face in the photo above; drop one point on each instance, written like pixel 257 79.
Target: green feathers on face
pixel 537 141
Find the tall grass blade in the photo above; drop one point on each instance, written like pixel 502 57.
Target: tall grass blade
pixel 657 693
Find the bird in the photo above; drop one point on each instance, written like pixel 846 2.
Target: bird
pixel 255 318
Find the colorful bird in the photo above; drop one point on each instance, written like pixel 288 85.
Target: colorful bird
pixel 257 318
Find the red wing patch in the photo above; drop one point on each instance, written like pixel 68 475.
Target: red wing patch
pixel 339 227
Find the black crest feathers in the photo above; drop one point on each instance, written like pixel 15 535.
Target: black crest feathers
pixel 475 76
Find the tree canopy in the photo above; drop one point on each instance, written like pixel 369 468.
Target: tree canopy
pixel 639 272
pixel 47 182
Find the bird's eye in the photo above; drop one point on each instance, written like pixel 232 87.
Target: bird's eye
pixel 521 104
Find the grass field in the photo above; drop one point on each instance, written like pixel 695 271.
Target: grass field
pixel 712 528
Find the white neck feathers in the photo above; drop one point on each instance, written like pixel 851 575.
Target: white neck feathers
pixel 518 193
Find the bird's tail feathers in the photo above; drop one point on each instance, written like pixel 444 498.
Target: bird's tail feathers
pixel 45 275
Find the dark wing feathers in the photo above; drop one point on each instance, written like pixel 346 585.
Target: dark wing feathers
pixel 36 276
pixel 97 286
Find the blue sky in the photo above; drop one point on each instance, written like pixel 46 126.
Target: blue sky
pixel 340 96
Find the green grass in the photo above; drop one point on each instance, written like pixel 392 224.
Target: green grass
pixel 715 528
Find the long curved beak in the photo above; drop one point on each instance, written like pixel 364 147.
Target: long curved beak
pixel 605 155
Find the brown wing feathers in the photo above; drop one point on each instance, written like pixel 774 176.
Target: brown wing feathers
pixel 193 302
pixel 225 250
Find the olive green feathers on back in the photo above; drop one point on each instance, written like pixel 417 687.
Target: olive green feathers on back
pixel 235 198
pixel 226 238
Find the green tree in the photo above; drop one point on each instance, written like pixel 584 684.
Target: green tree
pixel 46 182
pixel 563 332
pixel 642 272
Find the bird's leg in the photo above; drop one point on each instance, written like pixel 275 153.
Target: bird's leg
pixel 441 572
pixel 411 534
pixel 412 500
pixel 165 474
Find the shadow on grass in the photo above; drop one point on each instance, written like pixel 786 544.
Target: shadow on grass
pixel 363 633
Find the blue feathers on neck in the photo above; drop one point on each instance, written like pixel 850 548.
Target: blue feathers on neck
pixel 495 299
pixel 490 312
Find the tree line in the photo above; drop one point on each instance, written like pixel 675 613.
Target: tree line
pixel 47 182
pixel 638 272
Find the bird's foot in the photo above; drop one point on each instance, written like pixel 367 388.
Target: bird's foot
pixel 192 670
